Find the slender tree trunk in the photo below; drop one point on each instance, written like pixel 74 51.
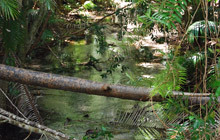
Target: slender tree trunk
pixel 55 81
pixel 32 27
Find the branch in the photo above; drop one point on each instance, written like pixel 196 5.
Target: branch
pixel 74 84
pixel 31 126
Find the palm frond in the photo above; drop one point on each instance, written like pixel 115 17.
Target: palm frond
pixel 25 102
pixel 152 133
pixel 197 30
pixel 9 9
pixel 142 118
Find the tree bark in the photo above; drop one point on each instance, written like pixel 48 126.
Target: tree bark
pixel 55 81
pixel 31 26
pixel 31 126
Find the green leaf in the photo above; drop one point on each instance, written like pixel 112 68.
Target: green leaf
pixel 217 93
pixel 176 18
pixel 196 124
pixel 215 84
pixel 211 120
pixel 191 118
pixel 103 128
pixel 210 50
pixel 89 5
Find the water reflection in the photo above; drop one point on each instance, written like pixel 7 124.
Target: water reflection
pixel 75 113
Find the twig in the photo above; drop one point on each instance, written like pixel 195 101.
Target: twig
pixel 58 58
pixel 12 103
pixel 28 135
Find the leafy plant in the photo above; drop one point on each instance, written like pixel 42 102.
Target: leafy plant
pixel 197 31
pixel 100 38
pixel 170 79
pixel 97 134
pixel 13 33
pixel 9 9
pixel 50 4
pixel 166 12
pixel 198 123
pixel 89 5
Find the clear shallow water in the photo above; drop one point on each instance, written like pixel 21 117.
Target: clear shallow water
pixel 84 111
pixel 75 113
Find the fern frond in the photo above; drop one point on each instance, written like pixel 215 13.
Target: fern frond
pixel 170 79
pixel 167 12
pixel 25 102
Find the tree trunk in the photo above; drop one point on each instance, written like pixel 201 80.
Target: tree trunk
pixel 55 81
pixel 32 26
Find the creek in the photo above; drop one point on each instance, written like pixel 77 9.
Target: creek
pixel 77 113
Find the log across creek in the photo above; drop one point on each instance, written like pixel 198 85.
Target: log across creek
pixel 55 81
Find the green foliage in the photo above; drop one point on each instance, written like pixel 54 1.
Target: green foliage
pixel 170 79
pixel 9 9
pixel 97 134
pixel 13 33
pixel 142 6
pixel 47 36
pixel 50 4
pixel 13 90
pixel 150 134
pixel 197 30
pixel 167 12
pixel 89 5
pixel 115 61
pixel 100 38
pixel 214 79
pixel 197 123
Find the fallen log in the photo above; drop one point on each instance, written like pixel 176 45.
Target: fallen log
pixel 31 126
pixel 74 84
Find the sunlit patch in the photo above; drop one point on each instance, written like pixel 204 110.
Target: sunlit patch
pixel 151 65
pixel 147 76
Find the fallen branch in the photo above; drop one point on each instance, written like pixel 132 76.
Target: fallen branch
pixel 31 126
pixel 68 83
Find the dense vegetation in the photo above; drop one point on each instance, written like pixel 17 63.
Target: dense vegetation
pixel 34 30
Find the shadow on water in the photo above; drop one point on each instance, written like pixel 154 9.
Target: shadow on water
pixel 76 113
